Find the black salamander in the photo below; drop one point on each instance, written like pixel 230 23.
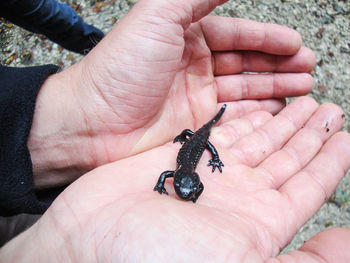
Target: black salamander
pixel 187 183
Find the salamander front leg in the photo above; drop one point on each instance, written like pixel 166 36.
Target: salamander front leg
pixel 183 136
pixel 160 184
pixel 215 161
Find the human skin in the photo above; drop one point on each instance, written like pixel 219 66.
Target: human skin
pixel 163 68
pixel 278 172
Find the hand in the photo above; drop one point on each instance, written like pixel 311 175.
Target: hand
pixel 278 172
pixel 161 70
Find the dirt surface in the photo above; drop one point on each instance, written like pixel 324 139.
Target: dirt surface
pixel 324 26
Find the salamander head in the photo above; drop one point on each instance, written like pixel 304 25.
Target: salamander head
pixel 187 185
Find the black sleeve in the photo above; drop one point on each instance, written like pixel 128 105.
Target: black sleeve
pixel 19 88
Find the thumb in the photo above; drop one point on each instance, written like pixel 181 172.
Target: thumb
pixel 329 246
pixel 181 12
pixel 153 31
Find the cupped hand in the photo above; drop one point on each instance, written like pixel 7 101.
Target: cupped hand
pixel 161 69
pixel 278 172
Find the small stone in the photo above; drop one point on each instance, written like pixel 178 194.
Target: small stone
pixel 344 50
pixel 11 58
pixel 329 74
pixel 320 32
pixel 328 224
pixel 70 57
pixel 114 20
pixel 96 9
pixel 335 41
pixel 322 88
pixel 26 56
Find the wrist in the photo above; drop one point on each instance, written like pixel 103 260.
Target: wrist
pixel 56 139
pixel 35 245
pixel 10 251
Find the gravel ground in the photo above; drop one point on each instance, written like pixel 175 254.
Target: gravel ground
pixel 324 26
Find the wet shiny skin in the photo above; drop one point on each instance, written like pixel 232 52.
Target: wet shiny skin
pixel 187 183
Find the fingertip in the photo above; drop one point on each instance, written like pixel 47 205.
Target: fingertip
pixel 282 40
pixel 328 119
pixel 309 82
pixel 200 10
pixel 296 40
pixel 309 58
pixel 292 84
pixel 304 60
pixel 336 109
pixel 273 106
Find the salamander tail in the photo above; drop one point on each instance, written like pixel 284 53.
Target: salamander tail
pixel 218 115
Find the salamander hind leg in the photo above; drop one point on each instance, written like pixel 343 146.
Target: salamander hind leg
pixel 182 137
pixel 160 184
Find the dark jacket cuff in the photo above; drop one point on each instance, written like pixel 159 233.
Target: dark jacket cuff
pixel 18 91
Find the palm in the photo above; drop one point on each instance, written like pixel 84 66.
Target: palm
pixel 153 74
pixel 172 93
pixel 246 213
pixel 136 223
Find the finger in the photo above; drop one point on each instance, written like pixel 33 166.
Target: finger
pixel 312 186
pixel 328 246
pixel 228 132
pixel 256 86
pixel 181 12
pixel 255 147
pixel 302 148
pixel 239 109
pixel 225 63
pixel 227 34
pixel 331 245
